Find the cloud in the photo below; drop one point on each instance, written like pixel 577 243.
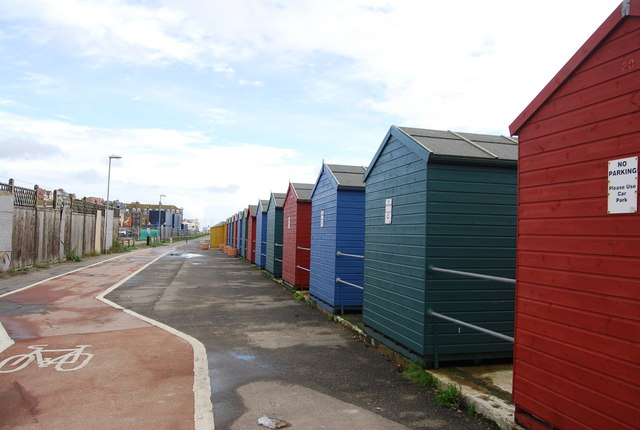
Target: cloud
pixel 38 79
pixel 243 82
pixel 403 53
pixel 187 166
pixel 27 148
pixel 216 116
pixel 229 189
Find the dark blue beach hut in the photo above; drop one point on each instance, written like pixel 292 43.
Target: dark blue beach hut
pixel 440 200
pixel 261 234
pixel 337 225
pixel 240 240
pixel 274 234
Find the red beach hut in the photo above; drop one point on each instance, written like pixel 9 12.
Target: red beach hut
pixel 251 233
pixel 577 337
pixel 296 236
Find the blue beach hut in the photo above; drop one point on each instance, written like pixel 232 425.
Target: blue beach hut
pixel 261 234
pixel 240 233
pixel 337 225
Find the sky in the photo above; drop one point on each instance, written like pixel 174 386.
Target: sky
pixel 217 103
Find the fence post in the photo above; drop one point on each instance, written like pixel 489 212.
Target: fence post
pixel 36 229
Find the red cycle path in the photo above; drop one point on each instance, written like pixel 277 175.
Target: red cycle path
pixel 140 376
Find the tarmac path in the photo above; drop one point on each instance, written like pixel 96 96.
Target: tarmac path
pixel 272 355
pixel 82 362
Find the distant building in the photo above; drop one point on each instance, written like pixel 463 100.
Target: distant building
pixel 138 214
pixel 193 225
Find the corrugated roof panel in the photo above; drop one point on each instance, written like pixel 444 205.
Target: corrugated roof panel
pixel 466 145
pixel 348 176
pixel 279 198
pixel 303 190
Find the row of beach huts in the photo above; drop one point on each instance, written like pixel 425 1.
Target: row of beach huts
pixel 535 238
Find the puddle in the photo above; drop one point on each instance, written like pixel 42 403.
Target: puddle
pixel 186 255
pixel 250 358
pixel 244 357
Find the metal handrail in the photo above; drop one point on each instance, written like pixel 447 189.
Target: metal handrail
pixel 340 281
pixel 303 268
pixel 278 244
pixel 304 249
pixel 278 260
pixel 436 359
pixel 472 275
pixel 471 326
pixel 342 254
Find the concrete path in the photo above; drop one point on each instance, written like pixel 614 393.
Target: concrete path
pixel 79 361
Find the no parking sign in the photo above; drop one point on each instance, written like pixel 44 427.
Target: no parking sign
pixel 623 186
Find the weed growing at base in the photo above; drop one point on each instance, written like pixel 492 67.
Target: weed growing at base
pixel 450 397
pixel 416 374
pixel 73 256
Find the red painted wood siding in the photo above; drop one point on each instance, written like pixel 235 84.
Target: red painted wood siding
pixel 296 232
pixel 251 235
pixel 577 351
pixel 303 239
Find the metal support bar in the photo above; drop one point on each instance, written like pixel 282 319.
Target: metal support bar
pixel 471 326
pixel 303 268
pixel 340 281
pixel 304 249
pixel 278 260
pixel 342 254
pixel 473 275
pixel 277 244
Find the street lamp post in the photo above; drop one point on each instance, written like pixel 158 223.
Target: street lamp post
pixel 106 205
pixel 160 218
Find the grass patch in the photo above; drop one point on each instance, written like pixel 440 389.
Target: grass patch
pixel 73 256
pixel 450 397
pixel 311 304
pixel 416 374
pixel 299 297
pixel 19 271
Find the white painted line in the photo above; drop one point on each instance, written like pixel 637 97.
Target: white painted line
pixel 62 274
pixel 203 415
pixel 5 339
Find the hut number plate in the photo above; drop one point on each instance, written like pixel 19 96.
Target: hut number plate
pixel 623 186
pixel 388 205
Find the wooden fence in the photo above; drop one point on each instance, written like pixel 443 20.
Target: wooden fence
pixel 44 231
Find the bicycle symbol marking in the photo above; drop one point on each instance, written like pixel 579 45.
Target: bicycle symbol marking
pixel 63 360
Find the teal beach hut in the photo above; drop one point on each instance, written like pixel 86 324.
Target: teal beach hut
pixel 440 200
pixel 274 234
